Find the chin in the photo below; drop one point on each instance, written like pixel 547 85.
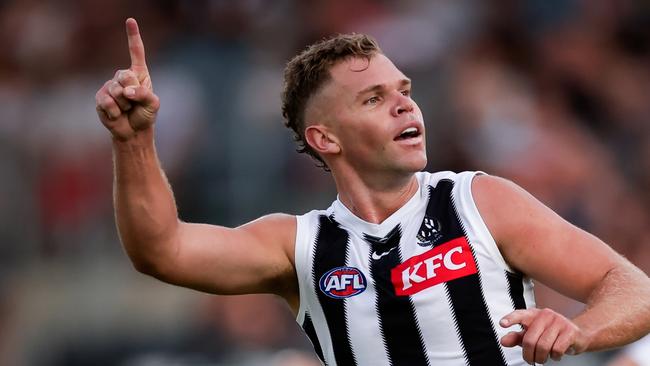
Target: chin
pixel 420 167
pixel 420 161
pixel 415 165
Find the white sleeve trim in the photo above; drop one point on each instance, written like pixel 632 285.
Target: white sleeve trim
pixel 301 253
pixel 466 199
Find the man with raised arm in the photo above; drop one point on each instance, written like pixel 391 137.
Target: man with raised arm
pixel 405 267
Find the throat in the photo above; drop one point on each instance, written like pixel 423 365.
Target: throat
pixel 375 206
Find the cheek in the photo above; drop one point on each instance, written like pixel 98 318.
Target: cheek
pixel 373 138
pixel 356 141
pixel 369 133
pixel 362 144
pixel 352 130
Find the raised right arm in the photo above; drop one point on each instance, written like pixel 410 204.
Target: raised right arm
pixel 256 257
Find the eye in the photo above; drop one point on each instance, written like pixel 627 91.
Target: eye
pixel 406 93
pixel 372 101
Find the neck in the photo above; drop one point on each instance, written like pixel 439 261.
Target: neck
pixel 374 200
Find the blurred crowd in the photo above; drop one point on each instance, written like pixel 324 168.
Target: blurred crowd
pixel 553 94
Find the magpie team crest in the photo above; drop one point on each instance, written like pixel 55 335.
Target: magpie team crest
pixel 429 231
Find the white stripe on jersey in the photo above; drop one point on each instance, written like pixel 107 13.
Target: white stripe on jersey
pixel 371 351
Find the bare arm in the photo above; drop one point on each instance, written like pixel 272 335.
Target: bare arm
pixel 256 257
pixel 539 243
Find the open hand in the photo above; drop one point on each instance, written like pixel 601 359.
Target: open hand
pixel 126 104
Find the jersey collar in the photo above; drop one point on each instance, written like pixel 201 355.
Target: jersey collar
pixel 348 219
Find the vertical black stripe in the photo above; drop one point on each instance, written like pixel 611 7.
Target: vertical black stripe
pixel 331 252
pixel 397 320
pixel 465 295
pixel 308 327
pixel 474 325
pixel 516 289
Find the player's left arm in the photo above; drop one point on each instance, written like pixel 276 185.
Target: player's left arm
pixel 536 241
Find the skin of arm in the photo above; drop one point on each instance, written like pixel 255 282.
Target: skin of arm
pixel 253 258
pixel 536 241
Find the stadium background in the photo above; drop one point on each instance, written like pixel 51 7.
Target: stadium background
pixel 552 94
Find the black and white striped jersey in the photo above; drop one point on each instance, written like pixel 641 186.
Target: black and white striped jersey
pixel 425 287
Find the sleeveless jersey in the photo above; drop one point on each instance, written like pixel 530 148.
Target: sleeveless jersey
pixel 427 286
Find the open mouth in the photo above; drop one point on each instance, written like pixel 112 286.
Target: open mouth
pixel 409 133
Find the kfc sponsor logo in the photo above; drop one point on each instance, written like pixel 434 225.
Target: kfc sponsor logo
pixel 443 263
pixel 342 282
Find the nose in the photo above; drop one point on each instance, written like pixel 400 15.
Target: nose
pixel 403 104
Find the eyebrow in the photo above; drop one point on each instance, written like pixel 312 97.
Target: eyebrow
pixel 379 87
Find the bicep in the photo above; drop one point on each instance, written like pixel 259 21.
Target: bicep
pixel 253 258
pixel 538 242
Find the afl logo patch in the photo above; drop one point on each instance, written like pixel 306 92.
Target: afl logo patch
pixel 342 282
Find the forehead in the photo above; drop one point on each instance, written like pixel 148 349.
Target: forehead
pixel 356 73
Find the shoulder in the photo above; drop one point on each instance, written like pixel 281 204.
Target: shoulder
pixel 308 225
pixel 497 196
pixel 504 205
pixel 313 217
pixel 432 178
pixel 535 240
pixel 274 229
pixel 285 230
pixel 276 221
pixel 486 187
pixel 513 218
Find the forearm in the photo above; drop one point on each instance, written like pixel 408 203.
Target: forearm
pixel 618 311
pixel 145 210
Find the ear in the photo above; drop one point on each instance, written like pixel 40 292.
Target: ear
pixel 322 140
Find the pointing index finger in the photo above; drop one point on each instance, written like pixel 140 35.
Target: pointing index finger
pixel 136 47
pixel 521 316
